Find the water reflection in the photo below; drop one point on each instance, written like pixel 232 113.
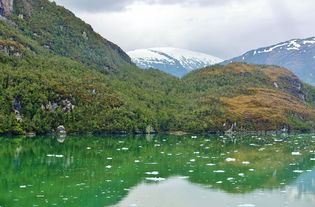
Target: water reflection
pixel 140 170
pixel 177 191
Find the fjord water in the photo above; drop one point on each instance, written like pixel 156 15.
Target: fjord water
pixel 158 170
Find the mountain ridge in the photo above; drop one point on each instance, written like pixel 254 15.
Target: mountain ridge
pixel 296 54
pixel 175 61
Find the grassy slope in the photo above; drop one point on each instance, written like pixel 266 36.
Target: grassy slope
pixel 255 97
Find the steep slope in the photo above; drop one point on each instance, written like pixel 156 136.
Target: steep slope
pixel 298 55
pixel 174 61
pixel 40 90
pixel 58 31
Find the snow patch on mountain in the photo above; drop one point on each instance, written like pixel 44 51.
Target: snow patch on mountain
pixel 175 61
pixel 296 54
pixel 294 44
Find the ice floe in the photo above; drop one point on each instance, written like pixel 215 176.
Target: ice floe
pixel 152 173
pixel 230 159
pixel 155 179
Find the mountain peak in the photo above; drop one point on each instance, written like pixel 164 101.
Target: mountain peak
pixel 296 54
pixel 176 61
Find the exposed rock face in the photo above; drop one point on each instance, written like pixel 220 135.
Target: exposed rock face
pixel 296 87
pixel 67 106
pixel 150 130
pixel 6 7
pixel 61 130
pixel 10 48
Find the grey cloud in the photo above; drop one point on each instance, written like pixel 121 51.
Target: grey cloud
pixel 120 5
pixel 95 5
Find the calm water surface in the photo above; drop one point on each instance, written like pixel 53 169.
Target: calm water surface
pixel 160 170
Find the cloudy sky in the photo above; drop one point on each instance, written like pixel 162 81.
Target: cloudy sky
pixel 224 28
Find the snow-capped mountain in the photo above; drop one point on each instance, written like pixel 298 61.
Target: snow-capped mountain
pixel 175 61
pixel 297 55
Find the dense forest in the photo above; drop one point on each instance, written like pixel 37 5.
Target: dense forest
pixel 55 70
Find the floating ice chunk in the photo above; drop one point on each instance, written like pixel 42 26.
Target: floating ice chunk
pixel 137 161
pixel 59 156
pixel 183 177
pixel 245 163
pixel 196 153
pixel 151 163
pixel 210 164
pixel 219 171
pixel 52 155
pixel 192 160
pixel 80 184
pixel 194 137
pixel 88 148
pixel 219 182
pixel 261 149
pixel 241 174
pixel 229 179
pixel 298 171
pixel 155 179
pixel 296 153
pixel 230 159
pixel 22 186
pixel 152 173
pixel 109 158
pixel 190 171
pixel 124 148
pixel 108 166
pixel 313 159
pixel 251 170
pixel 246 205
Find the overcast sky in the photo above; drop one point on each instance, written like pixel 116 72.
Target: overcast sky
pixel 223 28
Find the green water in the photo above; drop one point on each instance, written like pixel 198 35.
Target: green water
pixel 160 170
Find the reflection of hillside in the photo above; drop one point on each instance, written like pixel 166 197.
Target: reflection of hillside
pixel 304 187
pixel 74 173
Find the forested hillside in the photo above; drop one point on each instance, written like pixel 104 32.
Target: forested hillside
pixel 55 70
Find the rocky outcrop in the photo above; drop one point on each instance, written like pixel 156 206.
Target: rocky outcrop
pixel 6 7
pixel 295 87
pixel 61 130
pixel 67 106
pixel 150 130
pixel 10 48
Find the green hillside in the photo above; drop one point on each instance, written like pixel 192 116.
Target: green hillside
pixel 55 70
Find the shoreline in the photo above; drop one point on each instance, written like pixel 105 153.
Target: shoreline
pixel 176 133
